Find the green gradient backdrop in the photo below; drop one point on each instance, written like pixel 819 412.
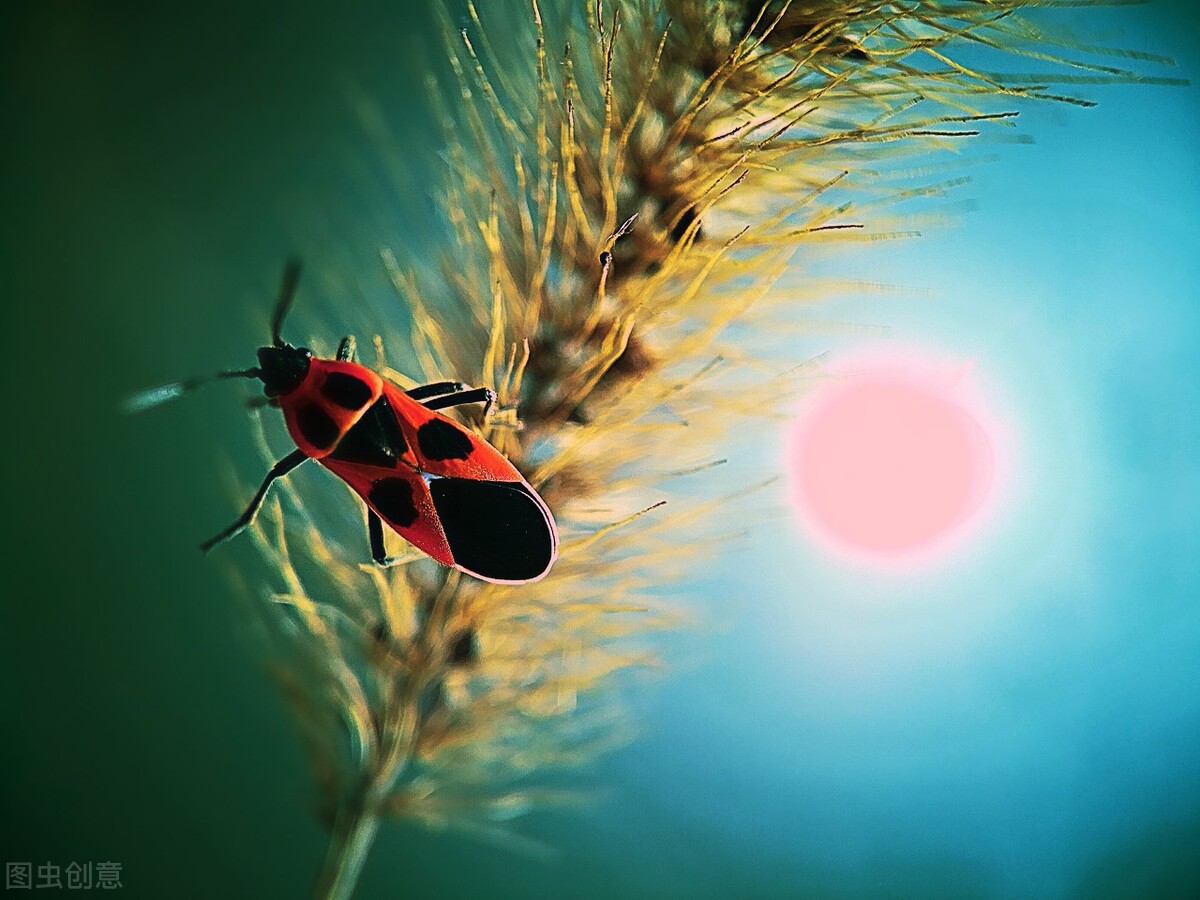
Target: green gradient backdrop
pixel 158 167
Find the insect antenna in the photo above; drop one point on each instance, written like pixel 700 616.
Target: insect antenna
pixel 287 290
pixel 158 395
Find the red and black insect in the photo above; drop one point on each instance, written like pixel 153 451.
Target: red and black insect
pixel 443 489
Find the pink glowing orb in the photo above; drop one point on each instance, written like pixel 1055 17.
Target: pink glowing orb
pixel 891 462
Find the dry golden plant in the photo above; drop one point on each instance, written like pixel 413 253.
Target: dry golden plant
pixel 627 185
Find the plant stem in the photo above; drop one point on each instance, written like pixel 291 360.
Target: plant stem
pixel 353 833
pixel 357 819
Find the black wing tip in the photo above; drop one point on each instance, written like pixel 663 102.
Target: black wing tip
pixel 497 531
pixel 507 577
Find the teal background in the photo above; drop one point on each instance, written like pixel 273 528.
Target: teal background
pixel 1023 721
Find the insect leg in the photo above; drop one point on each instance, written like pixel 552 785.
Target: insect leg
pixel 278 470
pixel 346 349
pixel 375 533
pixel 425 391
pixel 475 395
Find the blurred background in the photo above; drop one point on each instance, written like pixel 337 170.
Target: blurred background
pixel 1019 718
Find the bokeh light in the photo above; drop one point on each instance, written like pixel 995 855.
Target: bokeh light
pixel 891 461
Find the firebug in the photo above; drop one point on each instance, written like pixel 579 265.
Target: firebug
pixel 439 486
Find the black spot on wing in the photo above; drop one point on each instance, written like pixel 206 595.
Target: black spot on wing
pixel 346 390
pixel 393 497
pixel 316 426
pixel 495 529
pixel 438 439
pixel 374 440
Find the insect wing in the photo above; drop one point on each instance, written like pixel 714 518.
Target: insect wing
pixel 496 530
pixel 401 498
pixel 443 447
pixel 496 526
